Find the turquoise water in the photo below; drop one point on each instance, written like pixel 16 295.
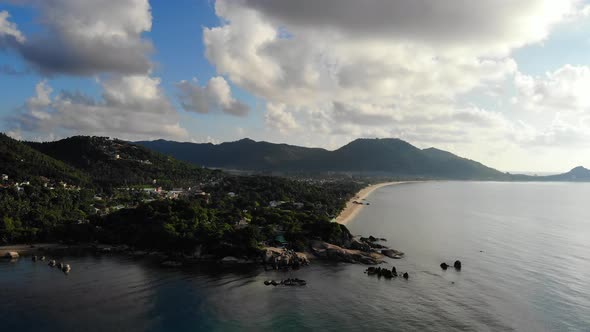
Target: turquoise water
pixel 525 250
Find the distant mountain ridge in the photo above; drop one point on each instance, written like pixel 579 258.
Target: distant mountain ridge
pixel 388 157
pixel 112 162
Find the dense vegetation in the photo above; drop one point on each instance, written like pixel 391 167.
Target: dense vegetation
pixel 187 223
pixel 237 215
pixel 40 214
pixel 21 162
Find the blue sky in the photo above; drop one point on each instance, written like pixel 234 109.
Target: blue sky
pixel 495 81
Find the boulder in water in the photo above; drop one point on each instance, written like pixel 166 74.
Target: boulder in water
pixel 386 273
pixel 444 266
pixel 52 263
pixel 66 268
pixel 406 275
pixel 457 265
pixel 11 255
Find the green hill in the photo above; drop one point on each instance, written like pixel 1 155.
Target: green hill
pixel 113 162
pixel 21 163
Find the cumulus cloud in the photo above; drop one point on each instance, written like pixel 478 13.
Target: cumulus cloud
pixel 10 35
pixel 564 90
pixel 277 117
pixel 215 96
pixel 85 37
pixel 379 68
pixel 559 104
pixel 344 49
pixel 131 107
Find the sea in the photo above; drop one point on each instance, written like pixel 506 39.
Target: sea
pixel 524 248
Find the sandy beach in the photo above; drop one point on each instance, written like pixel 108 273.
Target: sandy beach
pixel 352 209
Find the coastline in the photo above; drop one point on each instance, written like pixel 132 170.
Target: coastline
pixel 351 209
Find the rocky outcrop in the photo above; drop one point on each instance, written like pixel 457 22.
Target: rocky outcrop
pixel 392 253
pixel 330 251
pixel 284 259
pixel 358 244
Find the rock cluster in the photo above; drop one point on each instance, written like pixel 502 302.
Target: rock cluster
pixel 456 265
pixel 386 273
pixel 286 282
pixel 65 268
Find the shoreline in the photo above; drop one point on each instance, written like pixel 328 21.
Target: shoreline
pixel 351 209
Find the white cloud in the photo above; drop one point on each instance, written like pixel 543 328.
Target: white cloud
pixel 277 117
pixel 564 90
pixel 86 37
pixel 10 35
pixel 215 96
pixel 132 107
pixel 345 68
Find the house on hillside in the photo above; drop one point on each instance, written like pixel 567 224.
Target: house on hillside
pixel 243 223
pixel 273 204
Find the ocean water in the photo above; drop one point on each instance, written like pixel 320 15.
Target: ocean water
pixel 525 249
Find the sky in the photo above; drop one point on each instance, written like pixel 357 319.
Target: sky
pixel 503 82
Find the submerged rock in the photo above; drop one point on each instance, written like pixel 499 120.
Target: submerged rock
pixel 171 264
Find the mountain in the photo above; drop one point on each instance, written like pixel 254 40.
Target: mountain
pixel 21 162
pixel 385 157
pixel 113 162
pixel 244 154
pixel 576 174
